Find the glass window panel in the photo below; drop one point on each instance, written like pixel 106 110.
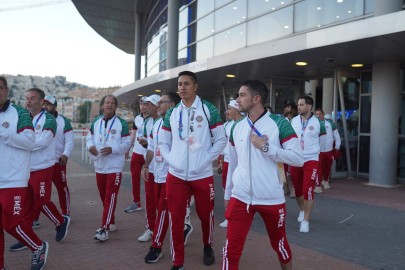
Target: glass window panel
pixel 183 38
pixel 205 49
pixel 317 13
pixel 232 14
pixel 204 7
pixel 220 3
pixel 153 70
pixel 183 18
pixel 153 59
pixel 205 27
pixel 230 40
pixel 402 117
pixel 366 85
pixel 270 26
pixel 364 158
pixel 365 118
pixel 257 7
pixel 182 57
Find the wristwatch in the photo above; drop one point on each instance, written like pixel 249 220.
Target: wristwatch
pixel 264 148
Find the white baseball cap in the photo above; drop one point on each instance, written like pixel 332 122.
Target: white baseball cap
pixel 51 100
pixel 234 104
pixel 154 99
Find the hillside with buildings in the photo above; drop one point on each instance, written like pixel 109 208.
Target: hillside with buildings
pixel 76 101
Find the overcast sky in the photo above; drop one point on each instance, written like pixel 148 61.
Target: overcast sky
pixel 55 40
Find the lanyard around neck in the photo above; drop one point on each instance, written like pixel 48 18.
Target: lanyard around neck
pixel 181 122
pixel 36 121
pixel 106 134
pixel 253 127
pixel 305 123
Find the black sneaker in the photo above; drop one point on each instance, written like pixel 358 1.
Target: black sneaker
pixel 154 255
pixel 18 246
pixel 38 259
pixel 177 268
pixel 62 230
pixel 209 257
pixel 187 231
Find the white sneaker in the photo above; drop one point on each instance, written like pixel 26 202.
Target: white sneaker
pixel 102 235
pixel 224 224
pixel 146 236
pixel 325 184
pixel 187 219
pixel 300 216
pixel 113 228
pixel 318 189
pixel 304 227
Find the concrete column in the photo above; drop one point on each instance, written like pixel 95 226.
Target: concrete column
pixel 385 112
pixel 327 95
pixel 172 33
pixel 138 45
pixel 382 7
pixel 310 90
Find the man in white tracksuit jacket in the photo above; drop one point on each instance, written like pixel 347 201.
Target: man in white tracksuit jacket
pixel 191 138
pixel 259 145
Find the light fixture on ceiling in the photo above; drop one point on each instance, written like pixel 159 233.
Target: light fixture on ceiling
pixel 339 1
pixel 357 65
pixel 140 95
pixel 230 76
pixel 158 91
pixel 301 63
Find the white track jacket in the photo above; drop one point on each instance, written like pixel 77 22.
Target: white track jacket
pixel 253 175
pixel 43 154
pixel 64 137
pixel 16 141
pixel 183 162
pixel 114 134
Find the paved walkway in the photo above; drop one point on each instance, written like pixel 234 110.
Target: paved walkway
pixel 353 227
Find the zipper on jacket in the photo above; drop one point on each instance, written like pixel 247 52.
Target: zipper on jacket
pixel 250 176
pixel 188 148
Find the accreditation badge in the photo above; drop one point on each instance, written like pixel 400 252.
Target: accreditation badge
pixel 158 155
pixel 192 143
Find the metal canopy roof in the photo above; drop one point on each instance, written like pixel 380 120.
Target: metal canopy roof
pixel 113 20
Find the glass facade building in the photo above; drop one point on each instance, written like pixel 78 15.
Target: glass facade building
pixel 262 39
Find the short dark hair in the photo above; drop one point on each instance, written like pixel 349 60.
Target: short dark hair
pixel 308 100
pixel 40 92
pixel 188 73
pixel 173 96
pixel 106 96
pixel 257 88
pixel 3 79
pixel 319 110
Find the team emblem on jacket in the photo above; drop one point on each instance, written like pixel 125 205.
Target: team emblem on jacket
pixel 199 119
pixel 113 131
pixel 311 128
pixel 37 127
pixel 5 124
